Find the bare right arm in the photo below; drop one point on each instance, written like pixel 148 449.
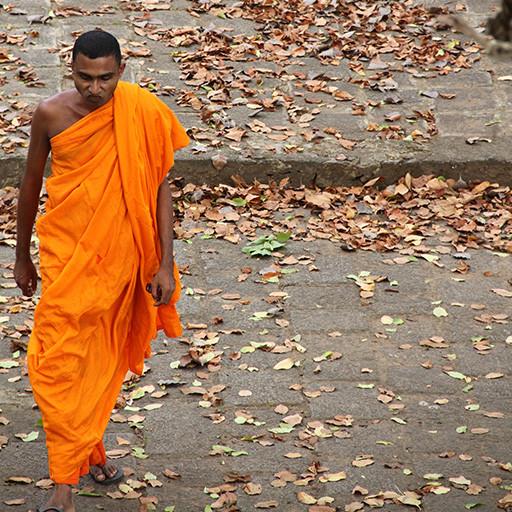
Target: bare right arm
pixel 25 272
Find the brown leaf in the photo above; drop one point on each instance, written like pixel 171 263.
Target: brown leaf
pixel 494 375
pixel 252 489
pixel 19 480
pixel 16 501
pixel 267 504
pixel 169 473
pixel 354 506
pixel 363 461
pixel 45 483
pixel 117 453
pixel 502 292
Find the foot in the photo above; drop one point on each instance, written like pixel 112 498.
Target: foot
pixel 101 473
pixel 62 498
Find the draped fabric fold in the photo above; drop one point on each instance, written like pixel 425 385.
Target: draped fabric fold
pixel 99 247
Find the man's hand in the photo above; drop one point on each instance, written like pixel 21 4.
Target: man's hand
pixel 162 287
pixel 25 274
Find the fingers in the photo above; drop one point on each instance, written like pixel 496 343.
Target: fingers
pixel 155 289
pixel 161 293
pixel 32 285
pixel 163 296
pixel 25 275
pixel 27 286
pixel 166 296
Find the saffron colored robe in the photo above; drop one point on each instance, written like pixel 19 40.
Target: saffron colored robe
pixel 99 248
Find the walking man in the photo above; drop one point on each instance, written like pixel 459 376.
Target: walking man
pixel 109 280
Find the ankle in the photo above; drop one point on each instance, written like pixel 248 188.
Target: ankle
pixel 62 491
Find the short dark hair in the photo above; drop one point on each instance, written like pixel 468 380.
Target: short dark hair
pixel 97 43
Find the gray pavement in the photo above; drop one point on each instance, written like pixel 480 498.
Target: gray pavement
pixel 427 100
pixel 369 404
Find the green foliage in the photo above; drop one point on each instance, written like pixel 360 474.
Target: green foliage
pixel 266 245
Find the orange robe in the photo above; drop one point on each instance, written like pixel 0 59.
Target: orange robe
pixel 99 247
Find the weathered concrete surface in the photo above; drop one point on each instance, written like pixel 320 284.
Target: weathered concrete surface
pixel 320 302
pixel 480 108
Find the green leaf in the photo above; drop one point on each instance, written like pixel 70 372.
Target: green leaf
pixel 259 315
pixel 219 449
pixel 9 364
pixel 250 438
pixel 139 453
pixel 283 237
pixel 433 476
pixel 456 375
pixel 266 245
pixel 470 506
pixel 289 270
pixel 439 312
pixel 260 344
pixel 32 436
pixel 90 494
pixel 430 257
pixel 462 429
pixel 137 394
pixel 170 508
pixel 283 428
pixel 238 201
pixel 366 386
pixel 238 453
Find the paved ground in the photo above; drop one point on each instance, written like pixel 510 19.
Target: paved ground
pixel 370 402
pixel 285 91
pixel 388 403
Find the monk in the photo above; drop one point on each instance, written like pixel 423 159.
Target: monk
pixel 109 280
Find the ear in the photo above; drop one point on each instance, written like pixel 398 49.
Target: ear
pixel 122 67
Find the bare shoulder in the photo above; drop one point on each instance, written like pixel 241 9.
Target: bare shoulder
pixel 51 108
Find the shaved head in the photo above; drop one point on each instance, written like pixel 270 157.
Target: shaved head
pixel 95 44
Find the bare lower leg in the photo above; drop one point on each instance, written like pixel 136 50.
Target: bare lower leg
pixel 62 498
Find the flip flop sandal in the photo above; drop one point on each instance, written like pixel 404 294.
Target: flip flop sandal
pixel 112 480
pixel 50 509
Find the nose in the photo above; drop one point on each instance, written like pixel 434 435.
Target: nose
pixel 95 87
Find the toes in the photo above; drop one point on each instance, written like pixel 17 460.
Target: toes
pixel 97 472
pixel 111 471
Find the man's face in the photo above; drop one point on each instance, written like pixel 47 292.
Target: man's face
pixel 96 79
